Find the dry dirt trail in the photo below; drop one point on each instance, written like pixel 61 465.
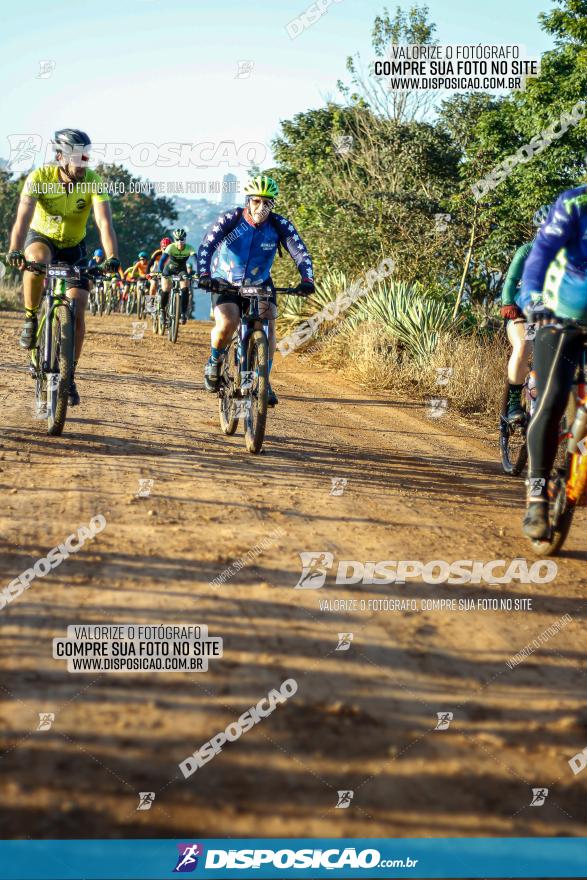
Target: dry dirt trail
pixel 362 719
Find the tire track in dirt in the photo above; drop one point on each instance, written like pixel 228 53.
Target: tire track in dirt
pixel 362 719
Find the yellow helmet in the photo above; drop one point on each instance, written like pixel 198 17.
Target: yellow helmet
pixel 263 186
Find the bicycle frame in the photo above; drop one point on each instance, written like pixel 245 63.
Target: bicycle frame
pixel 56 293
pixel 248 324
pixel 577 477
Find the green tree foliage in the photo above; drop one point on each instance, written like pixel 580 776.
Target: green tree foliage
pixel 141 219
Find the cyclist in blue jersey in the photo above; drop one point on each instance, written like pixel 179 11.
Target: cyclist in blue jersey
pixel 240 249
pixel 516 324
pixel 554 285
pixel 97 259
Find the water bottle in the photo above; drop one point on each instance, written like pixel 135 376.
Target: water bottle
pixel 579 430
pixel 532 391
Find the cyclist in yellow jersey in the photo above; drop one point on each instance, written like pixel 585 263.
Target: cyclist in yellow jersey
pixel 174 261
pixel 50 227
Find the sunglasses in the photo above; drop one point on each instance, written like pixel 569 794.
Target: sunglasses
pixel 260 201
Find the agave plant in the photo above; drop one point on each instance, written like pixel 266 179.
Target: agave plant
pixel 417 321
pixel 293 309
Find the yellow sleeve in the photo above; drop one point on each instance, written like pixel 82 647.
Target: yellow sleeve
pixel 94 179
pixel 30 184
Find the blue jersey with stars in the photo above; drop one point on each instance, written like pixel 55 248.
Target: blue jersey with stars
pixel 237 251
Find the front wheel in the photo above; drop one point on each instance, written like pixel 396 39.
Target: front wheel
pixel 512 439
pixel 174 307
pixel 55 382
pixel 255 410
pixel 561 517
pixel 227 402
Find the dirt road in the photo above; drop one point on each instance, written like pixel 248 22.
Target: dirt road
pixel 363 719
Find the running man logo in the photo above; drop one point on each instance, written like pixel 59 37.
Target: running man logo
pixel 244 69
pixel 144 489
pixel 441 222
pixel 314 570
pixel 344 641
pixel 444 719
pixel 46 720
pixel 344 799
pixel 23 151
pixel 242 408
pixel 443 375
pixel 146 799
pixel 437 406
pixel 536 485
pixel 539 795
pixel 530 332
pixel 46 68
pixel 578 762
pixel 247 379
pixel 343 144
pixel 187 861
pixel 339 484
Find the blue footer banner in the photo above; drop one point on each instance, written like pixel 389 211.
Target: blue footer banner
pixel 529 857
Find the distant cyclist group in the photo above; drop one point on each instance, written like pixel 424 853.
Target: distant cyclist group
pixel 546 286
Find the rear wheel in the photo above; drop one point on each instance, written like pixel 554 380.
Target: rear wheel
pixel 227 404
pixel 560 508
pixel 256 409
pixel 512 439
pixel 60 372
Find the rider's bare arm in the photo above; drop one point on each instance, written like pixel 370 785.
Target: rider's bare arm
pixel 24 215
pixel 103 216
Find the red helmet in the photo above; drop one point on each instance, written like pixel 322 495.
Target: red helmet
pixel 165 242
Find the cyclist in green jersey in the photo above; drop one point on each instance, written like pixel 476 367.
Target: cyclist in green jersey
pixel 50 227
pixel 174 261
pixel 516 324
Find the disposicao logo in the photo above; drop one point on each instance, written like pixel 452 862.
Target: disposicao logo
pixel 187 860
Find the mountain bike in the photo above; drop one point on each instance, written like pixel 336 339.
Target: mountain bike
pixel 568 478
pixel 174 305
pixel 512 435
pixel 142 295
pixel 131 298
pixel 113 298
pixel 94 299
pixel 52 355
pixel 244 381
pixel 157 311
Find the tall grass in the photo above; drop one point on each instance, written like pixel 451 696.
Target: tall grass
pixel 397 338
pixel 10 296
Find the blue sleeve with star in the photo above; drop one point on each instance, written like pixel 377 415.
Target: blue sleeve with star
pixel 292 241
pixel 214 237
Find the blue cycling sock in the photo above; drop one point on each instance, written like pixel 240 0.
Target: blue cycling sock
pixel 216 353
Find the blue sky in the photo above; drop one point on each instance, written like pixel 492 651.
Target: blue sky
pixel 144 71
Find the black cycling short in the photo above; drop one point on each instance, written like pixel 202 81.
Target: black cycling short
pixel 170 269
pixel 556 356
pixel 220 299
pixel 70 255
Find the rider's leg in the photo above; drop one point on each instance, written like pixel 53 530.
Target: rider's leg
pixel 227 316
pixel 165 288
pixel 185 296
pixel 37 252
pixel 517 367
pixel 556 354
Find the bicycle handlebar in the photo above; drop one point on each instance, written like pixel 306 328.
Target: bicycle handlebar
pixel 255 289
